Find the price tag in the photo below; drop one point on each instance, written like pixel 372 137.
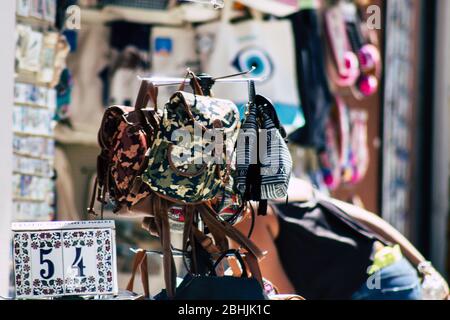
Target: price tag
pixel 64 258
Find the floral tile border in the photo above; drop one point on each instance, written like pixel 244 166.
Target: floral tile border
pixel 104 284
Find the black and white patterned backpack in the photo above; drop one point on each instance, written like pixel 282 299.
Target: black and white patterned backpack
pixel 264 164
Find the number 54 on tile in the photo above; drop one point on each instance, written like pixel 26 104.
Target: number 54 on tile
pixel 64 258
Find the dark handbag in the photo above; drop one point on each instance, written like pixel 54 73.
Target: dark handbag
pixel 212 287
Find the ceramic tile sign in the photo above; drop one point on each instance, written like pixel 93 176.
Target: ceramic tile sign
pixel 64 258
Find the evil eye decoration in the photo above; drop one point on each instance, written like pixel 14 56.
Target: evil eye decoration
pixel 254 57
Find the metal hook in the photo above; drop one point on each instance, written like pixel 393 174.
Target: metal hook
pixel 217 4
pixel 162 81
pixel 236 74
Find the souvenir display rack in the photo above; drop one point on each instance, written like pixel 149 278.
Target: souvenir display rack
pixel 33 111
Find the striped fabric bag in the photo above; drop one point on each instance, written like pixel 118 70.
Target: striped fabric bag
pixel 264 163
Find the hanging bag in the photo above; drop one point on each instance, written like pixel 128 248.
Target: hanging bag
pixel 178 180
pixel 227 48
pixel 264 163
pixel 183 172
pixel 124 137
pixel 211 287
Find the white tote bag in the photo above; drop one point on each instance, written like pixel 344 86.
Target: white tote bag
pixel 173 50
pixel 226 48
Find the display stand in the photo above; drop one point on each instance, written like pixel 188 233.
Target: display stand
pixel 7 22
pixel 33 113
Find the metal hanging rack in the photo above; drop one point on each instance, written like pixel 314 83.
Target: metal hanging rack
pixel 206 81
pixel 180 253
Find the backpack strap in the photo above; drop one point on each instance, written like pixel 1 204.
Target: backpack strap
pixel 253 265
pixel 194 83
pixel 160 209
pixel 188 236
pixel 219 236
pixel 209 216
pixel 208 245
pixel 140 261
pixel 90 209
pixel 147 92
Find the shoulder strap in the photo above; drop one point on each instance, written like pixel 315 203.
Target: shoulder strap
pixel 140 260
pixel 147 92
pixel 160 209
pixel 352 223
pixel 194 83
pixel 209 217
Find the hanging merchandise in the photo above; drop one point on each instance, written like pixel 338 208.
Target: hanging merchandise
pixel 227 48
pixel 329 158
pixel 124 137
pixel 249 286
pixel 63 98
pixel 172 51
pixel 264 163
pixel 334 159
pixel 359 145
pixel 344 71
pixel 46 72
pixel 345 158
pixel 173 174
pixel 368 55
pixel 346 152
pixel 172 171
pixel 312 79
pixel 28 49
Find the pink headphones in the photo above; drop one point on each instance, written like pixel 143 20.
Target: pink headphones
pixel 370 65
pixel 346 69
pixel 352 71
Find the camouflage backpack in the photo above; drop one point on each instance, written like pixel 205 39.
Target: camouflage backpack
pixel 182 173
pixel 124 137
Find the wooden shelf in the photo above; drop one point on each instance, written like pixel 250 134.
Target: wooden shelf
pixel 171 17
pixel 35 22
pixel 30 78
pixel 29 134
pixel 177 16
pixel 30 156
pixel 31 174
pixel 31 200
pixel 31 105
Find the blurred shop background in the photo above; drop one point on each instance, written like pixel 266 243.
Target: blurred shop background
pixel 63 62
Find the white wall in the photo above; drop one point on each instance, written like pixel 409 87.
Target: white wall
pixel 7 47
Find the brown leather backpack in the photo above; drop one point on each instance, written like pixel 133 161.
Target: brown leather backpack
pixel 125 136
